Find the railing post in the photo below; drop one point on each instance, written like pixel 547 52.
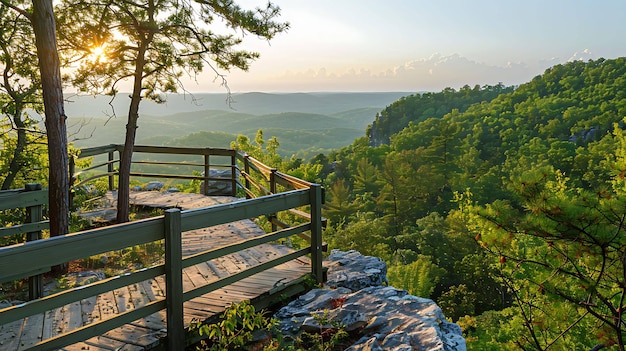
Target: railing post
pixel 273 191
pixel 273 180
pixel 110 170
pixel 315 192
pixel 246 168
pixel 233 173
pixel 207 172
pixel 34 214
pixel 174 280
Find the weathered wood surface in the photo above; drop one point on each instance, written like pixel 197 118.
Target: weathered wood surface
pixel 148 332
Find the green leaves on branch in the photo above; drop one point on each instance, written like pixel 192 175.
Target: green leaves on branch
pixel 102 41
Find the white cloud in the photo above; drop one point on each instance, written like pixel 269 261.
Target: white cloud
pixel 432 73
pixel 584 55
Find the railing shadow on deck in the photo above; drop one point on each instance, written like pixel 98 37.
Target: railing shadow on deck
pixel 262 198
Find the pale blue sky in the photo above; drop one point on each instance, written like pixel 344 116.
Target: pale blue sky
pixel 415 45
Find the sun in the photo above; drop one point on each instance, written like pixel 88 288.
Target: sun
pixel 97 53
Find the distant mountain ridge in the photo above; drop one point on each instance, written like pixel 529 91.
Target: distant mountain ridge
pixel 303 122
pixel 251 103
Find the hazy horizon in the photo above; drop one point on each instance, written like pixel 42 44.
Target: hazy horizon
pixel 419 45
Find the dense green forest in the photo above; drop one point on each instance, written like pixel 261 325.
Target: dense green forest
pixel 419 107
pixel 508 212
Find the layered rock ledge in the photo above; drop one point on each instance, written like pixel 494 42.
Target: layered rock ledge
pixel 384 317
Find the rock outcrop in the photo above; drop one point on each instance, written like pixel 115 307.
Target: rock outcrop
pixel 218 187
pixel 385 318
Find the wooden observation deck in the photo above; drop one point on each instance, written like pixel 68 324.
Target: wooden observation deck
pixel 215 255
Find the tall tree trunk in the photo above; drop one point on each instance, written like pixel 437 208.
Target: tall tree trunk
pixel 123 189
pixel 44 27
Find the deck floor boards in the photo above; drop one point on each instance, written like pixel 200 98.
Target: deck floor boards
pixel 148 332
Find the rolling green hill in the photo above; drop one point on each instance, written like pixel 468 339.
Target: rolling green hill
pixel 303 123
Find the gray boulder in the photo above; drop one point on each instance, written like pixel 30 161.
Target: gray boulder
pixel 218 187
pixel 154 186
pixel 350 269
pixel 384 317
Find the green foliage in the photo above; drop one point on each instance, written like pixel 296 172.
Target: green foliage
pixel 23 152
pixel 419 277
pixel 366 233
pixel 236 328
pixel 564 242
pixel 257 148
pixel 163 40
pixel 420 107
pixel 240 322
pixel 338 205
pixel 458 301
pixel 330 335
pixel 519 200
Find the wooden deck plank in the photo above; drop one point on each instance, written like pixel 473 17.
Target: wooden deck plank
pixel 156 321
pixel 197 278
pixel 73 317
pixel 51 324
pixel 31 331
pixel 134 335
pixel 107 305
pixel 206 305
pixel 138 295
pixel 89 310
pixel 206 272
pixel 151 290
pixel 10 335
pixel 122 299
pixel 218 269
pixel 106 345
pixel 188 282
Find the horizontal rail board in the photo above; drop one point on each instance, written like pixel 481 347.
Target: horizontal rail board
pixel 258 166
pixel 22 198
pixel 234 211
pixel 168 163
pixel 26 257
pixel 177 176
pixel 24 228
pixel 63 298
pixel 83 181
pixel 98 150
pixel 184 150
pixel 289 181
pixel 256 184
pixel 24 273
pixel 99 328
pixel 83 170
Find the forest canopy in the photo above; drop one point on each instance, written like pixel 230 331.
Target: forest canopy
pixel 498 203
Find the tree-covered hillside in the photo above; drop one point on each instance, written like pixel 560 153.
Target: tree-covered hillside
pixel 500 209
pixel 419 107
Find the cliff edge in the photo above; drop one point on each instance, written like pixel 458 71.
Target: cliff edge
pixel 356 296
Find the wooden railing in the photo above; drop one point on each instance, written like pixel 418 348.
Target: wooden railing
pixel 23 260
pixel 204 164
pixel 247 173
pixel 32 198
